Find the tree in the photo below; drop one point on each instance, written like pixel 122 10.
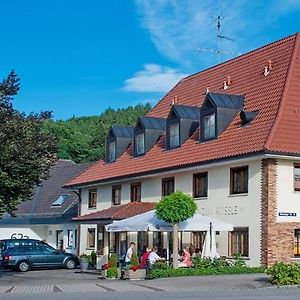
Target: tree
pixel 26 151
pixel 82 139
pixel 175 208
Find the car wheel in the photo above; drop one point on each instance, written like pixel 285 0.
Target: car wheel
pixel 70 264
pixel 23 266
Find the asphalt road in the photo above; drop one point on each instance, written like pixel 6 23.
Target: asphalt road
pixel 67 284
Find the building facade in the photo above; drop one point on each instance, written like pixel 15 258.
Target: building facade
pixel 48 215
pixel 229 137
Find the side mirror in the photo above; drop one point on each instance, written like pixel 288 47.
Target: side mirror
pixel 56 252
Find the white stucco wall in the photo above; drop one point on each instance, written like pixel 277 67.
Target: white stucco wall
pixel 240 210
pixel 46 233
pixel 288 200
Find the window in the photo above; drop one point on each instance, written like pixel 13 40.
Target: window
pixel 200 185
pixel 112 151
pixel 59 201
pixel 198 238
pixel 142 242
pixel 72 238
pixel 297 177
pixel 116 195
pixel 90 238
pixel 167 186
pixel 140 144
pixel 209 127
pixel 297 243
pixel 174 135
pixel 135 192
pixel 239 241
pixel 239 180
pixel 92 198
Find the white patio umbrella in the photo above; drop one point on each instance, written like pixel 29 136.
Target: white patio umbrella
pixel 149 222
pixel 209 246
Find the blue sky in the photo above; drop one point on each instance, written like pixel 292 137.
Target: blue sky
pixel 79 57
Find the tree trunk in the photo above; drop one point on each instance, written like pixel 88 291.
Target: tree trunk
pixel 175 246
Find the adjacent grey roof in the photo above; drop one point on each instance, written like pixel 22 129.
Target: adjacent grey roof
pixel 122 131
pixel 186 112
pixel 152 123
pixel 226 100
pixel 39 208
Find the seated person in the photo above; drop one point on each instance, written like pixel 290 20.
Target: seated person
pixel 197 253
pixel 186 259
pixel 153 257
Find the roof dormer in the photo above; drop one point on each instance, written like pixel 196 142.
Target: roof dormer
pixel 217 112
pixel 117 141
pixel 182 121
pixel 146 133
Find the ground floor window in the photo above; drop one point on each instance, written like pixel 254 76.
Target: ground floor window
pixel 198 239
pixel 90 238
pixel 157 241
pixel 239 241
pixel 72 238
pixel 142 242
pixel 297 243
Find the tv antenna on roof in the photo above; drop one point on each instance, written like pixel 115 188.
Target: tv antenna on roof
pixel 220 37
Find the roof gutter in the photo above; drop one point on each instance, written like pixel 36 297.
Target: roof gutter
pixel 191 167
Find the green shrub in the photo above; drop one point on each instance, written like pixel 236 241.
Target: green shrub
pixel 112 272
pixel 163 273
pixel 160 265
pixel 284 274
pixel 113 260
pixel 200 263
pixel 134 262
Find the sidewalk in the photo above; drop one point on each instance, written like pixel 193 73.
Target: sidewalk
pixel 62 281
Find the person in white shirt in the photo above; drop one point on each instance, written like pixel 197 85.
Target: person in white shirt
pixel 153 257
pixel 129 253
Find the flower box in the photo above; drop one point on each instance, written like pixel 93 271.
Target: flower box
pixel 139 274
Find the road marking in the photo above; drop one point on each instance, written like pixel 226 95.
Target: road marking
pixel 5 290
pixel 32 289
pixel 106 288
pixel 156 289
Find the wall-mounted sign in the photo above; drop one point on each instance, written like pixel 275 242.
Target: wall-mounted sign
pixel 287 214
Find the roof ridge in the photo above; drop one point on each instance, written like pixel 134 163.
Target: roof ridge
pixel 238 57
pixel 284 92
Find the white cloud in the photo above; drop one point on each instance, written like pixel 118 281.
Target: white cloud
pixel 153 78
pixel 177 28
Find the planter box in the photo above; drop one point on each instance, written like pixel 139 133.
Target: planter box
pixel 139 274
pixel 84 264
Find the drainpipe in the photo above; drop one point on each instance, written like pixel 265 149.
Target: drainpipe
pixel 78 193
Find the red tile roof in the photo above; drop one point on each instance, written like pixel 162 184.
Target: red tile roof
pixel 118 212
pixel 276 127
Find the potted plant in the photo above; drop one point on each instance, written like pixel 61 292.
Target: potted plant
pixel 84 261
pixel 110 269
pixel 133 272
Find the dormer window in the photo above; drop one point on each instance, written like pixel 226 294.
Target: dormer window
pixel 217 112
pixel 182 122
pixel 147 130
pixel 174 135
pixel 209 127
pixel 112 152
pixel 140 144
pixel 117 141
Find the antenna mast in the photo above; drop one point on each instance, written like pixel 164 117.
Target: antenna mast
pixel 220 37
